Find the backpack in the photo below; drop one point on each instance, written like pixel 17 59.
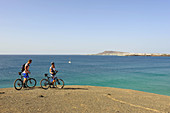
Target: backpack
pixel 22 67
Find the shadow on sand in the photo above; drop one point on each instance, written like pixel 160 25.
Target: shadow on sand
pixel 75 89
pixel 55 88
pixel 28 88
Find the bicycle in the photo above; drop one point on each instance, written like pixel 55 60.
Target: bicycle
pixel 30 82
pixel 45 83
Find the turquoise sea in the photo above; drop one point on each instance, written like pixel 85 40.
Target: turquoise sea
pixel 149 74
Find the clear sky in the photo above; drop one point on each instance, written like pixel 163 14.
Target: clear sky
pixel 84 26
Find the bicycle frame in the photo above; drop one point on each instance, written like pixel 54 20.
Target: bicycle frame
pixel 46 83
pixel 22 76
pixel 48 78
pixel 18 83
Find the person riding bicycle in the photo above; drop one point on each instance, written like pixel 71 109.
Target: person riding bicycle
pixel 26 71
pixel 52 72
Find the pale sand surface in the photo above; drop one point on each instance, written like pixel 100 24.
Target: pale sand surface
pixel 81 99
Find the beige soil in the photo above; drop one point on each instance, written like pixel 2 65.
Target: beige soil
pixel 81 99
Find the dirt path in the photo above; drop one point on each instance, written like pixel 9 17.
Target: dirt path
pixel 82 99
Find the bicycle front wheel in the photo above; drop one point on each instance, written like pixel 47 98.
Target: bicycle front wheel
pixel 18 84
pixel 31 83
pixel 44 84
pixel 59 83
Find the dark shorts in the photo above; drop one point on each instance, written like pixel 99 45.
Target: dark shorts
pixel 25 75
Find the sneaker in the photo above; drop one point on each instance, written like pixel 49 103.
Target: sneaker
pixel 24 86
pixel 53 87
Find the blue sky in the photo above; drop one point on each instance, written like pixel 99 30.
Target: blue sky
pixel 84 26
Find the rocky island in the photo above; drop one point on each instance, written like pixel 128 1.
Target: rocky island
pixel 118 53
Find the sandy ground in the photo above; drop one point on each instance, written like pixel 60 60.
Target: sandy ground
pixel 81 99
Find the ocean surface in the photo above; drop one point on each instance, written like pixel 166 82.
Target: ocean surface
pixel 149 74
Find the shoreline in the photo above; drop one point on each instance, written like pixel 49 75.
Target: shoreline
pixel 76 98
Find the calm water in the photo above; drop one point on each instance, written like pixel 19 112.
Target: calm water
pixel 149 74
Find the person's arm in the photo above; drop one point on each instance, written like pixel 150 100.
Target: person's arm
pixel 50 70
pixel 55 70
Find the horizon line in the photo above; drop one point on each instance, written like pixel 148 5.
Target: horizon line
pixel 37 54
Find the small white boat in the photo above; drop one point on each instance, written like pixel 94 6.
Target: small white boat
pixel 69 62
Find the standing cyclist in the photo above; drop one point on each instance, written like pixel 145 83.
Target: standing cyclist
pixel 52 72
pixel 26 71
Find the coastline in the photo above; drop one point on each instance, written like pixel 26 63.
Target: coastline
pixel 129 55
pixel 76 98
pixel 118 53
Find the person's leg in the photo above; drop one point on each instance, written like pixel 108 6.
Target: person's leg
pixel 25 78
pixel 24 82
pixel 53 80
pixel 24 74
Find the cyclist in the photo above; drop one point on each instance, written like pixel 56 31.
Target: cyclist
pixel 52 72
pixel 26 71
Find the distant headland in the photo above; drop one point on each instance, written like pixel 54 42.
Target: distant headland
pixel 118 53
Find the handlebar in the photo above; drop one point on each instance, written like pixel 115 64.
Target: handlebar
pixel 46 75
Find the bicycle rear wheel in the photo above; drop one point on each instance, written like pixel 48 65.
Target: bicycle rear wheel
pixel 31 82
pixel 18 84
pixel 59 83
pixel 44 84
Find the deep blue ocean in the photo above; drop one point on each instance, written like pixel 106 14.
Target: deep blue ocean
pixel 149 74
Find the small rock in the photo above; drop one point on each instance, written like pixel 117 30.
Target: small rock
pixel 41 96
pixel 2 92
pixel 67 94
pixel 108 94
